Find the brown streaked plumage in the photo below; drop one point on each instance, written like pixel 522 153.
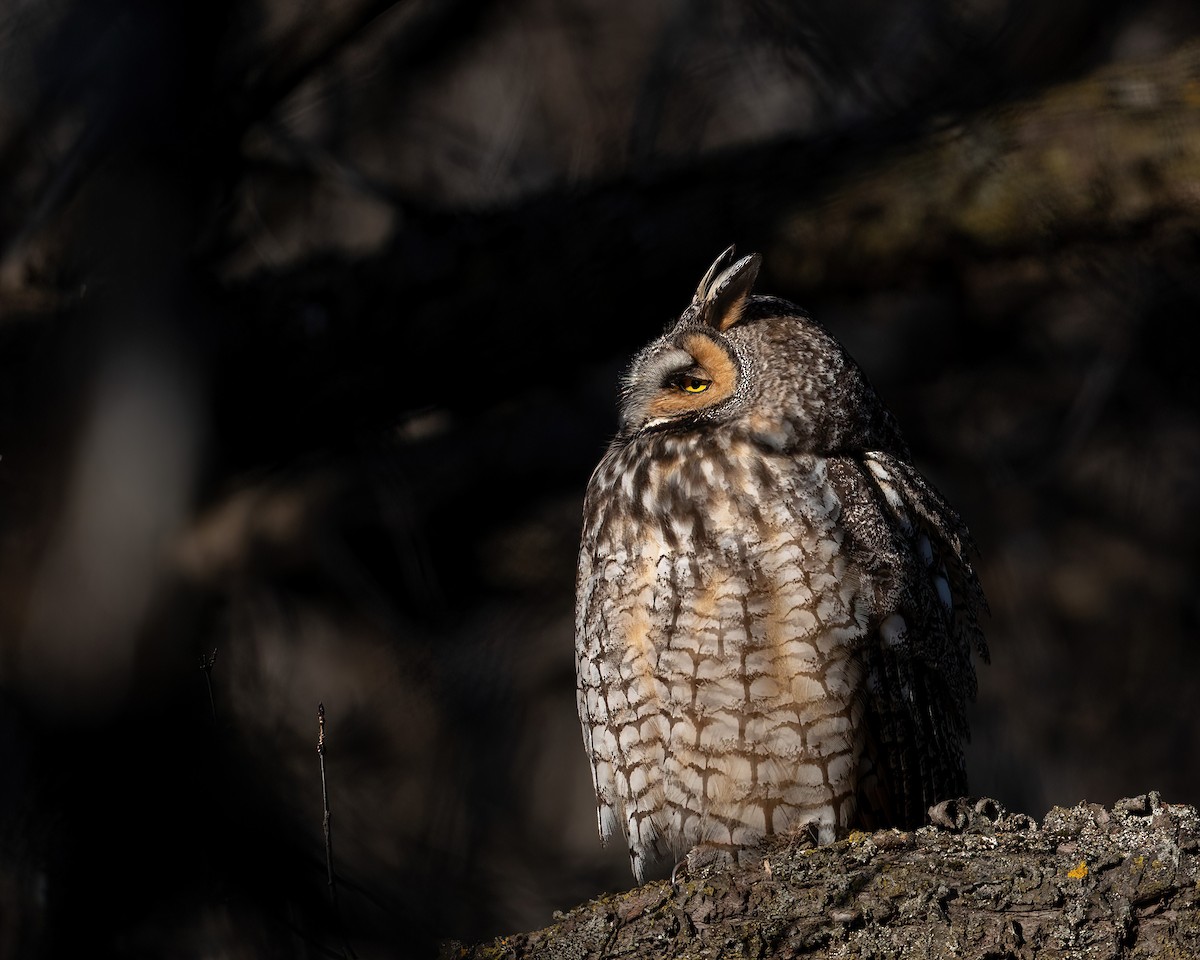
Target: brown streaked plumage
pixel 775 611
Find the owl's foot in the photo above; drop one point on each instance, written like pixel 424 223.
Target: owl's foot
pixel 809 836
pixel 806 836
pixel 966 814
pixel 700 856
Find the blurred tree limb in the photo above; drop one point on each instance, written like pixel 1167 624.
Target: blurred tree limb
pixel 1113 156
pixel 1110 159
pixel 1089 882
pixel 310 44
pixel 92 105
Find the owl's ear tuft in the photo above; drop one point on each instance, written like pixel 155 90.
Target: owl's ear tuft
pixel 723 261
pixel 724 290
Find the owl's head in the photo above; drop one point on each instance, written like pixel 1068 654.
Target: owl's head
pixel 756 363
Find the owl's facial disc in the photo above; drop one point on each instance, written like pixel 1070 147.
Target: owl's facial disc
pixel 695 373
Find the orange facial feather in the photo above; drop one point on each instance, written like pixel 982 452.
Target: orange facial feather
pixel 718 367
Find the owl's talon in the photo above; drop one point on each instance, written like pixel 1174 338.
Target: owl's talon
pixel 808 837
pixel 700 856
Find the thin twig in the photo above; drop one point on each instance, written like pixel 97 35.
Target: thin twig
pixel 207 664
pixel 349 951
pixel 325 802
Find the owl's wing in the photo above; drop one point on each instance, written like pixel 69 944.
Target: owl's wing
pixel 593 716
pixel 916 552
pixel 607 713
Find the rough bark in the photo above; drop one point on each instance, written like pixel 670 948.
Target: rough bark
pixel 980 884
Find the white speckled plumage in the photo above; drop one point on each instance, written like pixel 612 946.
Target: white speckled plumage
pixel 763 638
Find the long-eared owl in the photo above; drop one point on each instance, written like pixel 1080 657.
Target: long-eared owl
pixel 775 611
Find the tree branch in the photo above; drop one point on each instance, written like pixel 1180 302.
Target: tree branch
pixel 1112 156
pixel 1087 882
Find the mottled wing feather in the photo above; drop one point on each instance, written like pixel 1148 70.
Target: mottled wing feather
pixel 920 675
pixel 603 750
pixel 952 551
pixel 608 708
pixel 589 708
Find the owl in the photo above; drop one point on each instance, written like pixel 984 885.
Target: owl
pixel 776 613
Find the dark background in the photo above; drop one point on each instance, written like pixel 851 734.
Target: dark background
pixel 311 315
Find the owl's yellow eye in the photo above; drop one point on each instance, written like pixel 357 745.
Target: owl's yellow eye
pixel 692 384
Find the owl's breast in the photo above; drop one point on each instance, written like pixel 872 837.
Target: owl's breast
pixel 717 622
pixel 724 547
